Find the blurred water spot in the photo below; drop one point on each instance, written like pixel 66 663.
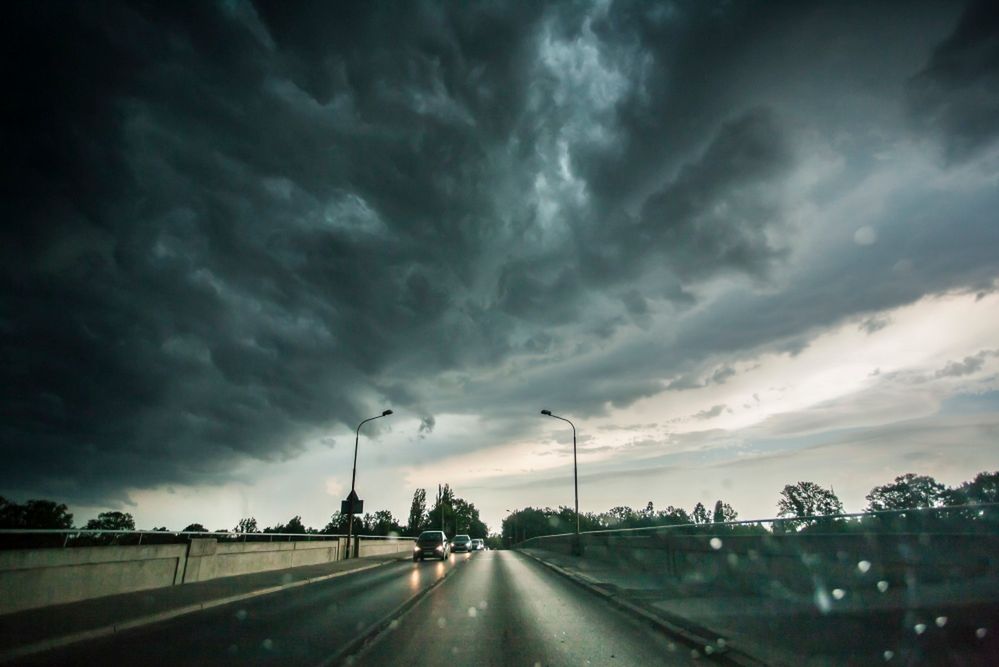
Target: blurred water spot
pixel 889 655
pixel 671 647
pixel 472 612
pixel 838 593
pixel 483 605
pixel 733 560
pixel 285 578
pixel 864 566
pixel 941 621
pixel 441 622
pixel 360 625
pixel 241 615
pixel 715 543
pixel 981 632
pixel 882 585
pixel 721 642
pixel 394 624
pixel 822 600
pixel 920 628
pixel 454 650
pixel 233 648
pixel 709 649
pixel 268 644
pixel 695 654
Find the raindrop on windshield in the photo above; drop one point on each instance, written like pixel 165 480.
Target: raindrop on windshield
pixel 838 593
pixel 716 543
pixel 864 566
pixel 981 632
pixel 889 655
pixel 472 612
pixel 882 585
pixel 941 621
pixel 920 628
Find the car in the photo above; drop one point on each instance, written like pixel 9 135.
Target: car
pixel 461 543
pixel 478 544
pixel 431 544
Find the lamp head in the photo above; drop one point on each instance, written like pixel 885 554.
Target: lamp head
pixel 547 412
pixel 386 413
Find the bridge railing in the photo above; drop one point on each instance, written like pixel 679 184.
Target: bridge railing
pixel 26 538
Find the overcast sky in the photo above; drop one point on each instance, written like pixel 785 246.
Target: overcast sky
pixel 740 244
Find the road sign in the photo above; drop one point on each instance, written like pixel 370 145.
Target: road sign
pixel 352 500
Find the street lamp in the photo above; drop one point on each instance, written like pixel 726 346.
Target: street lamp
pixel 577 546
pixel 353 478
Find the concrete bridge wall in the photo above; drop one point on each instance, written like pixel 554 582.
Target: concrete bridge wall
pixel 31 578
pixel 750 563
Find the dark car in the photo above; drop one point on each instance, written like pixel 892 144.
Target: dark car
pixel 461 543
pixel 431 544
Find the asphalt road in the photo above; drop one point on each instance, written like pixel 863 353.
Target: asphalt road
pixel 487 608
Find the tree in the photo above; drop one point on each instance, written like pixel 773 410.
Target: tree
pixel 112 521
pixel 807 499
pixel 417 513
pixel 984 488
pixel 195 528
pixel 293 526
pixel 248 525
pixel 338 525
pixel 700 514
pixel 724 512
pixel 36 514
pixel 907 491
pixel 381 523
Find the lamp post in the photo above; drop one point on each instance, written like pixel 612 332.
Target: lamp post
pixel 577 546
pixel 353 478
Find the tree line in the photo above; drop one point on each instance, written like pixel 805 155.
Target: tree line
pixel 797 505
pixel 455 514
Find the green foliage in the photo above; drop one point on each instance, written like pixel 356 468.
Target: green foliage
pixel 984 488
pixel 458 516
pixel 34 514
pixel 195 528
pixel 112 521
pixel 248 525
pixel 700 514
pixel 806 499
pixel 417 513
pixel 907 491
pixel 293 526
pixel 724 513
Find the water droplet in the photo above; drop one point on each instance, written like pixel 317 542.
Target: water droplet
pixel 822 600
pixel 483 605
pixel 941 621
pixel 472 612
pixel 394 624
pixel 441 622
pixel 695 654
pixel 733 560
pixel 889 655
pixel 286 578
pixel 454 650
pixel 864 566
pixel 241 615
pixel 715 543
pixel 920 628
pixel 721 642
pixel 268 644
pixel 671 647
pixel 981 632
pixel 882 585
pixel 709 649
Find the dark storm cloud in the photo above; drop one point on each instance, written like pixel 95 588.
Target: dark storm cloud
pixel 230 228
pixel 957 94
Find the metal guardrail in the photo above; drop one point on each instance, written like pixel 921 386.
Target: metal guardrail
pixel 970 512
pixel 98 535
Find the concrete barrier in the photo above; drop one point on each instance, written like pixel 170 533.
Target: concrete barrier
pixel 32 578
pixel 759 563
